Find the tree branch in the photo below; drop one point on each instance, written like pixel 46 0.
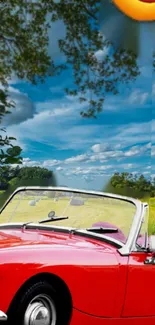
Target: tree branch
pixel 88 11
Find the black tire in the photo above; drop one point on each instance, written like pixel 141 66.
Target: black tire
pixel 19 307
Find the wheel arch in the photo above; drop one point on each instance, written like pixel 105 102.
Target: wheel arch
pixel 59 286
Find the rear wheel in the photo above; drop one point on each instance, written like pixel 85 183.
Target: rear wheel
pixel 38 305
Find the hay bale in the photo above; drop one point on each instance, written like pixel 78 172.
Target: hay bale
pixel 32 203
pixel 77 202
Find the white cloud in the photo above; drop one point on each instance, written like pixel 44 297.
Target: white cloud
pixel 63 132
pixel 56 112
pixel 14 80
pixel 146 173
pixel 51 163
pixel 137 150
pixel 127 166
pixel 104 153
pixel 46 163
pixel 104 156
pixel 128 134
pixel 59 169
pixel 79 158
pixel 137 97
pixel 30 163
pixel 103 159
pixel 100 147
pixel 90 170
pixel 60 126
pixel 101 54
pixel 68 106
pixel 96 176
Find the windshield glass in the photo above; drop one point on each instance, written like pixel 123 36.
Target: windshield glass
pixel 83 211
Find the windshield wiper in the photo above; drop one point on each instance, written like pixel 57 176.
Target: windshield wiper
pixel 102 230
pixel 53 219
pixel 44 221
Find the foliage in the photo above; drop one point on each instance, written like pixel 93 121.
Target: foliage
pixel 131 185
pixel 36 176
pixel 23 40
pixel 12 154
pixel 11 178
pixel 93 78
pixel 24 52
pixel 24 47
pixel 26 176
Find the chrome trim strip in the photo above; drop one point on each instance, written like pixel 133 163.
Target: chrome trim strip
pixel 3 316
pixel 130 245
pixel 98 236
pixel 72 190
pixel 35 225
pixel 137 219
pixel 146 208
pixel 32 226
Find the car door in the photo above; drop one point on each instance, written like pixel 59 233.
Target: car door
pixel 97 281
pixel 139 298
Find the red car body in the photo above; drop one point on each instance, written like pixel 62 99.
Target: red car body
pixel 105 287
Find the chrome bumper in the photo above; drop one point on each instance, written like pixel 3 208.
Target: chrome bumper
pixel 3 316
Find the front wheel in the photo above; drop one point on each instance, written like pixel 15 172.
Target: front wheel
pixel 38 305
pixel 40 311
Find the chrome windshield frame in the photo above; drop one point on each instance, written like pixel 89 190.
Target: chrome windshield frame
pixel 125 249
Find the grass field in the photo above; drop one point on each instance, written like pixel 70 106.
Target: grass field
pixel 152 216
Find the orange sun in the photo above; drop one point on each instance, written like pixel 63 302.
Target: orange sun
pixel 142 10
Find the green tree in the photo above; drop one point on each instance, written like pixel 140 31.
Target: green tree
pixel 6 175
pixel 25 176
pixel 33 176
pixel 12 154
pixel 130 185
pixel 24 51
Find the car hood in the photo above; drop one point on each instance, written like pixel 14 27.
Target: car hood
pixel 14 238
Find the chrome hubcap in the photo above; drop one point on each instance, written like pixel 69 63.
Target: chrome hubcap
pixel 40 311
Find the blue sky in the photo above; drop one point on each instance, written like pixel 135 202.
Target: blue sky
pixel 84 153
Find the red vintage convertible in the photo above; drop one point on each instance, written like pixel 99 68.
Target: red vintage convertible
pixel 75 257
